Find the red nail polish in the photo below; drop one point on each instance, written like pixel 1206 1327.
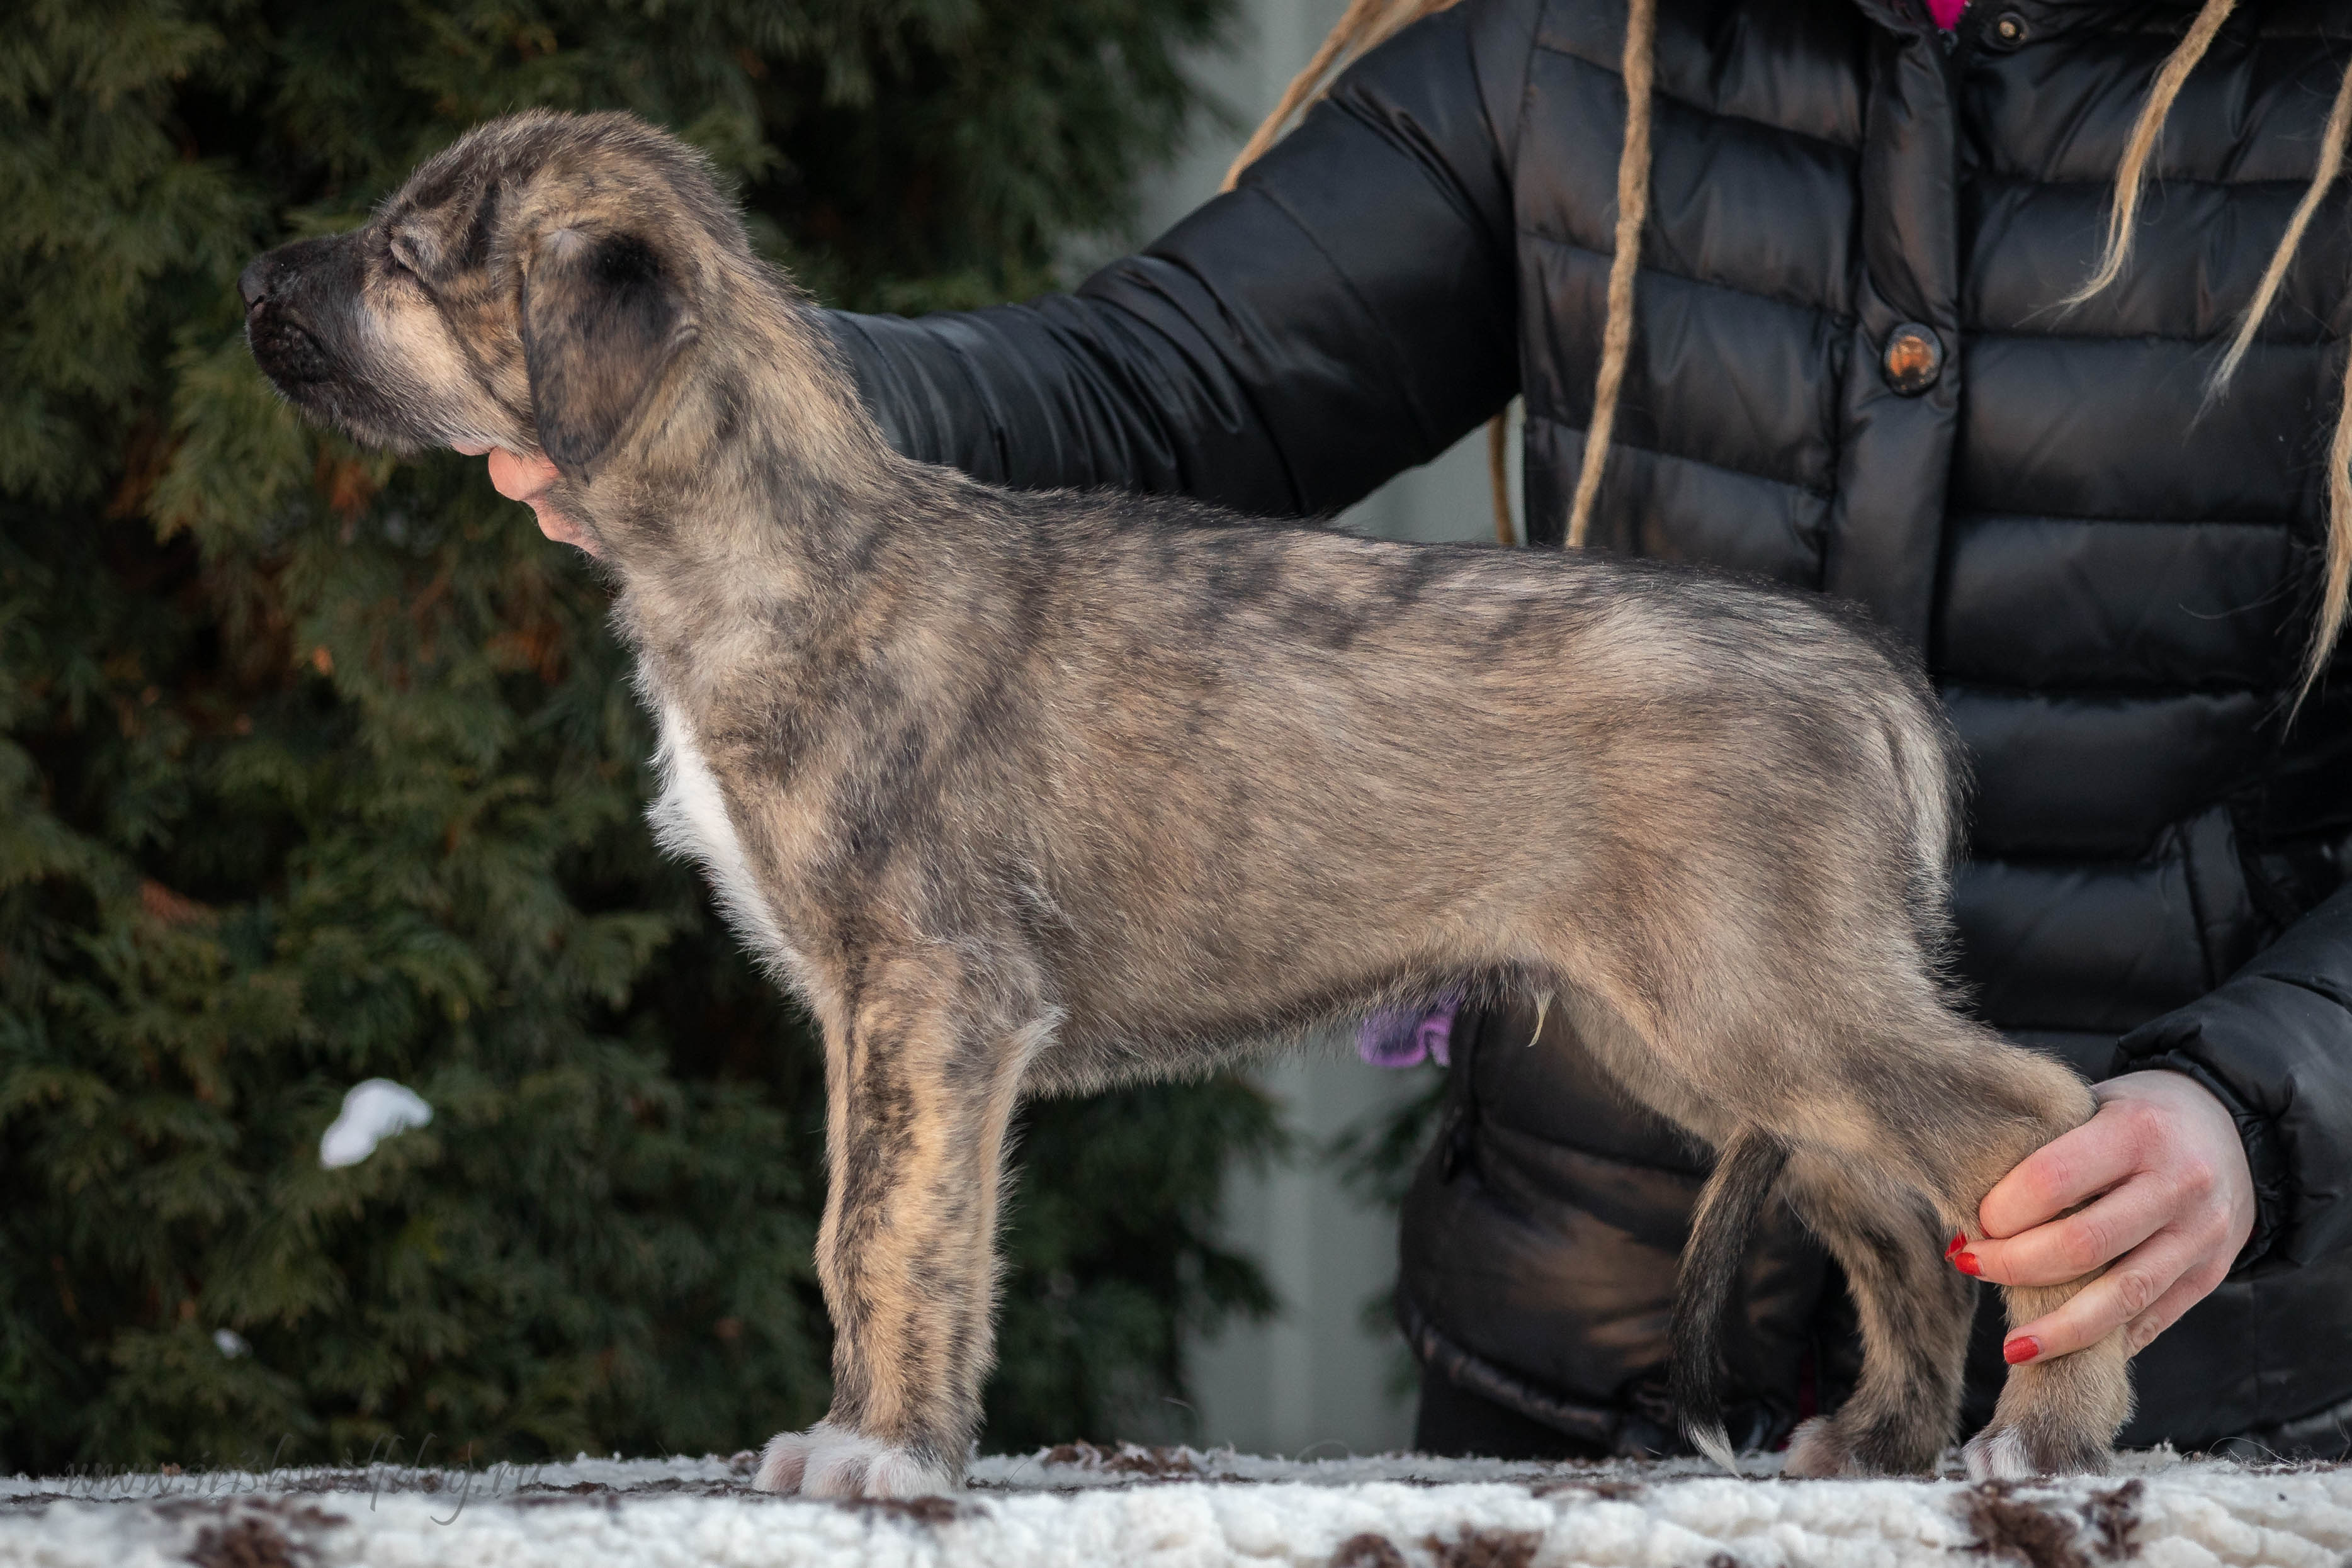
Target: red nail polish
pixel 2024 1347
pixel 1956 1243
pixel 1966 1262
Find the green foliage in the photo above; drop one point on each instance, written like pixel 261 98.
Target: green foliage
pixel 315 767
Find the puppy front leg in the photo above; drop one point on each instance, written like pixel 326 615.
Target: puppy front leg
pixel 921 1081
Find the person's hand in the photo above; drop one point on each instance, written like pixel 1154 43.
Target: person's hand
pixel 527 479
pixel 2174 1204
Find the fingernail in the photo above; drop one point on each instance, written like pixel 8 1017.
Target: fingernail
pixel 1966 1262
pixel 2024 1347
pixel 1956 1243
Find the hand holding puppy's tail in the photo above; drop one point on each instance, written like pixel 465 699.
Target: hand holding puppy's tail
pixel 1746 1169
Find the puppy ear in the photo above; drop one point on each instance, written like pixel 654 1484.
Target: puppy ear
pixel 601 319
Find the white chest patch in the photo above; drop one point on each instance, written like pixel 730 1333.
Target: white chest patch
pixel 690 819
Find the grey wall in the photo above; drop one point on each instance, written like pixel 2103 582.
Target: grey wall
pixel 1316 1379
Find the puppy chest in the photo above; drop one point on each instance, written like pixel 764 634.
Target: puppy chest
pixel 690 819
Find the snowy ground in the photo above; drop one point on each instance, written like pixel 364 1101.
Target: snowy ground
pixel 1172 1508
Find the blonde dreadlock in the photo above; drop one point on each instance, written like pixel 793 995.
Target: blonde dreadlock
pixel 2336 579
pixel 2131 174
pixel 1363 24
pixel 1632 210
pixel 1367 22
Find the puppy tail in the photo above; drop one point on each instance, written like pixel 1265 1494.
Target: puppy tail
pixel 1746 1169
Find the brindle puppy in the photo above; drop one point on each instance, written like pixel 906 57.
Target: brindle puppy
pixel 1038 793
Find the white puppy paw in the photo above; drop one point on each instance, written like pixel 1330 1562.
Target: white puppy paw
pixel 827 1461
pixel 1999 1454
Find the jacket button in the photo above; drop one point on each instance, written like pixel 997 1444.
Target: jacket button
pixel 2008 31
pixel 1914 358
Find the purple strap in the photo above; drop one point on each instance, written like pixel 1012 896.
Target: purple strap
pixel 1406 1037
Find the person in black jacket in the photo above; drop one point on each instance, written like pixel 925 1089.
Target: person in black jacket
pixel 1829 292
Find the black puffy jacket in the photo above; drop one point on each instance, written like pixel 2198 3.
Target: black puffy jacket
pixel 2108 578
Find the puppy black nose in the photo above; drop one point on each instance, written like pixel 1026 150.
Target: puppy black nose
pixel 253 283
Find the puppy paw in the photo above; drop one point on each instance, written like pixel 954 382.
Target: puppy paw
pixel 1998 1453
pixel 832 1461
pixel 1839 1445
pixel 1818 1450
pixel 784 1460
pixel 2006 1453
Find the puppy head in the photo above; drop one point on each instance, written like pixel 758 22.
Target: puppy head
pixel 531 287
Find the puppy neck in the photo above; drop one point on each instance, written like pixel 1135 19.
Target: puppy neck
pixel 756 469
pixel 756 492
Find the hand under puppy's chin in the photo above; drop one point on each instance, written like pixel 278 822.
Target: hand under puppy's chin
pixel 561 528
pixel 527 479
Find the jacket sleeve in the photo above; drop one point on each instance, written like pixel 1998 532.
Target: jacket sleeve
pixel 2274 1043
pixel 1347 312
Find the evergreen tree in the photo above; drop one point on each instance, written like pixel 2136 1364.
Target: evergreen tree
pixel 316 767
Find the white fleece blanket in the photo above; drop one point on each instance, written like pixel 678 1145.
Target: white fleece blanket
pixel 1173 1508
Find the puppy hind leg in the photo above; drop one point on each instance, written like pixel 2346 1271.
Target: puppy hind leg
pixel 2058 1417
pixel 1915 1311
